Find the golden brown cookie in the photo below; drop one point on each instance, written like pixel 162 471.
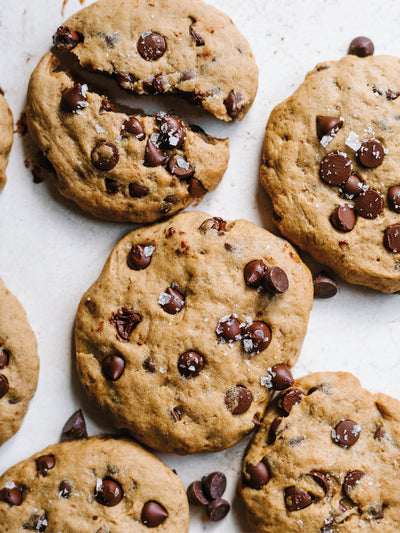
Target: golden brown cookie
pixel 6 138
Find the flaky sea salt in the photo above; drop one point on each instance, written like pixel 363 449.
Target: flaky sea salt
pixel 164 298
pixel 353 141
pixel 148 251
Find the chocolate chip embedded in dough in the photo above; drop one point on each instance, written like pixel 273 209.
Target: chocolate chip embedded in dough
pixel 104 155
pixel 113 367
pixel 140 256
pixel 44 464
pixel 215 223
pixel 172 131
pixel 73 99
pixel 258 475
pixel 172 301
pixel 108 492
pixel 190 364
pixel 232 104
pixel 289 399
pixel 228 328
pixel 296 499
pixel 393 197
pixel 64 488
pixel 198 39
pixel 369 204
pixel 371 153
pixel 179 167
pixel 273 428
pixel 322 479
pixel 346 433
pixel 149 364
pixel 4 386
pixel 352 187
pixel 281 377
pixel 343 218
pixel 238 399
pixel 3 358
pixel 153 514
pixel 125 321
pixel 335 169
pixel 66 38
pixel 196 188
pixel 124 79
pixel 253 273
pixel 275 280
pixel 391 238
pixel 361 47
pixel 12 496
pixel 328 126
pixel 137 191
pixel 153 155
pixel 133 126
pixel 256 337
pixel 112 186
pixel 151 45
pixel 351 480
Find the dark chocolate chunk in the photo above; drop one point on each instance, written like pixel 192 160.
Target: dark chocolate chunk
pixel 322 479
pixel 112 186
pixel 289 399
pixel 196 188
pixel 154 85
pixel 215 223
pixel 258 475
pixel 351 480
pixel 232 104
pixel 352 187
pixel 171 301
pixel 391 238
pixel 3 358
pixel 198 39
pixel 64 488
pixel 4 386
pixel 153 155
pixel 12 496
pixel 133 126
pixel 179 167
pixel 149 364
pixel 393 197
pixel 172 131
pixel 196 494
pixel 137 191
pixel 214 485
pixel 66 38
pixel 124 79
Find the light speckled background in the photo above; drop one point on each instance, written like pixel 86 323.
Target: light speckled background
pixel 50 252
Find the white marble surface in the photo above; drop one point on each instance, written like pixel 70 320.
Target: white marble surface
pixel 50 252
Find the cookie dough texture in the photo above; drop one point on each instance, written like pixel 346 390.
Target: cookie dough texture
pixel 203 259
pixel 6 137
pixel 126 188
pixel 19 364
pixel 63 497
pixel 363 92
pixel 110 31
pixel 304 444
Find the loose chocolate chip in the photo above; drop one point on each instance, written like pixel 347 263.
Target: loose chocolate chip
pixel 196 188
pixel 256 337
pixel 133 126
pixel 391 238
pixel 215 223
pixel 104 155
pixel 139 256
pixel 273 429
pixel 275 280
pixel 380 433
pixel 346 433
pixel 228 328
pixel 172 130
pixel 125 321
pixel 217 509
pixel 113 366
pixel 352 187
pixel 238 399
pixel 369 204
pixel 322 480
pixel 328 126
pixel 66 38
pixel 4 386
pixel 64 488
pixel 179 167
pixel 232 104
pixel 106 106
pixel 254 272
pixel 324 286
pixel 154 85
pixel 190 364
pixel 361 47
pixel 171 301
pixel 281 377
pixel 137 191
pixel 371 153
pixel 74 428
pixel 196 494
pixel 343 218
pixel 3 358
pixel 153 155
pixel 151 46
pixel 258 475
pixel 214 485
pixel 289 399
pixel 335 169
pixel 44 464
pixel 153 514
pixel 296 499
pixel 351 480
pixel 73 99
pixel 197 38
pixel 108 492
pixel 124 79
pixel 149 364
pixel 112 186
pixel 393 197
pixel 12 496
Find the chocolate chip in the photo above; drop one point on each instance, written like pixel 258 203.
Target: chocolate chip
pixel 215 223
pixel 139 256
pixel 154 85
pixel 12 496
pixel 273 429
pixel 113 367
pixel 217 509
pixel 187 75
pixel 351 480
pixel 172 130
pixel 391 238
pixel 171 301
pixel 104 155
pixel 112 186
pixel 214 485
pixel 275 280
pixel 108 493
pixel 190 364
pixel 3 358
pixel 335 169
pixel 125 321
pixel 393 197
pixel 133 126
pixel 36 522
pixel 343 218
pixel 197 38
pixel 151 46
pixel 258 475
pixel 371 153
pixel 254 272
pixel 149 364
pixel 73 99
pixel 256 337
pixel 380 433
pixel 179 167
pixel 346 433
pixel 44 464
pixel 369 204
pixel 289 399
pixel 106 106
pixel 361 47
pixel 196 188
pixel 196 494
pixel 153 514
pixel 228 328
pixel 74 428
pixel 238 399
pixel 352 187
pixel 296 499
pixel 324 286
pixel 232 104
pixel 124 79
pixel 281 377
pixel 171 199
pixel 176 414
pixel 137 191
pixel 328 126
pixel 153 155
pixel 64 488
pixel 66 38
pixel 322 479
pixel 4 386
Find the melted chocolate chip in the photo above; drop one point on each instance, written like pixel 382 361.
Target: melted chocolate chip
pixel 190 364
pixel 273 429
pixel 124 79
pixel 275 280
pixel 322 480
pixel 328 126
pixel 343 218
pixel 324 286
pixel 228 329
pixel 256 337
pixel 351 480
pixel 139 256
pixel 133 126
pixel 196 188
pixel 258 475
pixel 361 47
pixel 113 367
pixel 149 364
pixel 196 494
pixel 371 153
pixel 104 155
pixel 172 131
pixel 352 187
pixel 238 399
pixel 154 85
pixel 66 38
pixel 380 433
pixel 214 485
pixel 106 106
pixel 3 358
pixel 391 238
pixel 346 433
pixel 151 46
pixel 112 186
pixel 196 36
pixel 393 197
pixel 73 99
pixel 296 499
pixel 74 428
pixel 153 155
pixel 179 167
pixel 335 169
pixel 171 301
pixel 369 204
pixel 125 321
pixel 289 399
pixel 64 488
pixel 254 272
pixel 232 104
pixel 4 386
pixel 215 223
pixel 281 377
pixel 109 493
pixel 137 191
pixel 44 464
pixel 153 514
pixel 12 496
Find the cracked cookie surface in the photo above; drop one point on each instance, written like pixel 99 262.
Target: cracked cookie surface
pixel 6 138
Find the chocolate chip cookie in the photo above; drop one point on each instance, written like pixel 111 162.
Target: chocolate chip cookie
pixel 99 485
pixel 330 165
pixel 6 138
pixel 114 165
pixel 177 338
pixel 19 364
pixel 325 459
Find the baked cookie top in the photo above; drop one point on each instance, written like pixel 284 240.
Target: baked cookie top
pixel 6 137
pixel 325 459
pixel 331 164
pixel 99 485
pixel 114 165
pixel 173 343
pixel 190 47
pixel 19 364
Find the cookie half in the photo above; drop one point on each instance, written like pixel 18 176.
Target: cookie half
pixel 19 364
pixel 99 485
pixel 325 459
pixel 6 138
pixel 175 346
pixel 331 164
